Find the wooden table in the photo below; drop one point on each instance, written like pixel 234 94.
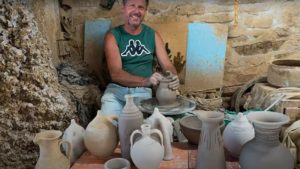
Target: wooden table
pixel 184 158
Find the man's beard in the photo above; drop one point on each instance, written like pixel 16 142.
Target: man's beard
pixel 135 21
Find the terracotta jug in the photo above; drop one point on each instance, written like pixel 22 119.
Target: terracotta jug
pixel 50 155
pixel 74 134
pixel 129 120
pixel 265 151
pixel 147 153
pixel 164 95
pixel 160 122
pixel 210 148
pixel 100 136
pixel 237 133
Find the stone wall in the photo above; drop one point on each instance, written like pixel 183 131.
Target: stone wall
pixel 266 30
pixel 34 96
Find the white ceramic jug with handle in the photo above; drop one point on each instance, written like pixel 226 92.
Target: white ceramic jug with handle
pixel 146 152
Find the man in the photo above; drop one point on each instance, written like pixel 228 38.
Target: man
pixel 130 50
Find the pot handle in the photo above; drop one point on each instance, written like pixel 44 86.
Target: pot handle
pixel 222 125
pixel 69 149
pixel 156 131
pixel 132 135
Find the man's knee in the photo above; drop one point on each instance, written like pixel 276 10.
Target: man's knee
pixel 110 105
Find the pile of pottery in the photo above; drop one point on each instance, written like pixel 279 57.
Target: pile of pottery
pixel 256 144
pixel 145 142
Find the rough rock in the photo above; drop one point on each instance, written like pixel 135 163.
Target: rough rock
pixel 31 97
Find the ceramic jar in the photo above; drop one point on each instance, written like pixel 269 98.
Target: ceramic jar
pixel 210 148
pixel 74 134
pixel 237 133
pixel 265 151
pixel 117 163
pixel 101 136
pixel 129 120
pixel 164 95
pixel 50 155
pixel 160 122
pixel 147 153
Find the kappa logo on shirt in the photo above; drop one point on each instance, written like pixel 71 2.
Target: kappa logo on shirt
pixel 135 48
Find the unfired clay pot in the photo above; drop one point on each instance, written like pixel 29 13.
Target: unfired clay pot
pixel 265 151
pixel 117 163
pixel 147 153
pixel 50 155
pixel 190 127
pixel 101 136
pixel 284 73
pixel 74 134
pixel 210 149
pixel 237 133
pixel 160 122
pixel 164 94
pixel 129 120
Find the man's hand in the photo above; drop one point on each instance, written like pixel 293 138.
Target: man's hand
pixel 174 84
pixel 152 80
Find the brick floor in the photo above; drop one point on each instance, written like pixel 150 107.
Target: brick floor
pixel 184 158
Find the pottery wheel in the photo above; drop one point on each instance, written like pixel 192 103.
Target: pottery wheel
pixel 180 106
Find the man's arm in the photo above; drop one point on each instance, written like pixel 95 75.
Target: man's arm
pixel 114 63
pixel 162 56
pixel 117 74
pixel 165 62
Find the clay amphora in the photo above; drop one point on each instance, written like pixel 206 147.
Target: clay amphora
pixel 101 136
pixel 147 153
pixel 237 133
pixel 74 134
pixel 160 122
pixel 164 95
pixel 129 120
pixel 50 155
pixel 210 148
pixel 265 151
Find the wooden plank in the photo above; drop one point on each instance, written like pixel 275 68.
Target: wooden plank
pixel 94 33
pixel 206 48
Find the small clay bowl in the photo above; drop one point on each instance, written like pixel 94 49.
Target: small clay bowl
pixel 191 128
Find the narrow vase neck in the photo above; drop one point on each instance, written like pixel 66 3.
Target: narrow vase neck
pixel 267 135
pixel 211 135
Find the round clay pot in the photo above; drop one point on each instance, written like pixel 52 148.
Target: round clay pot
pixel 237 133
pixel 117 163
pixel 100 136
pixel 164 94
pixel 284 73
pixel 191 128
